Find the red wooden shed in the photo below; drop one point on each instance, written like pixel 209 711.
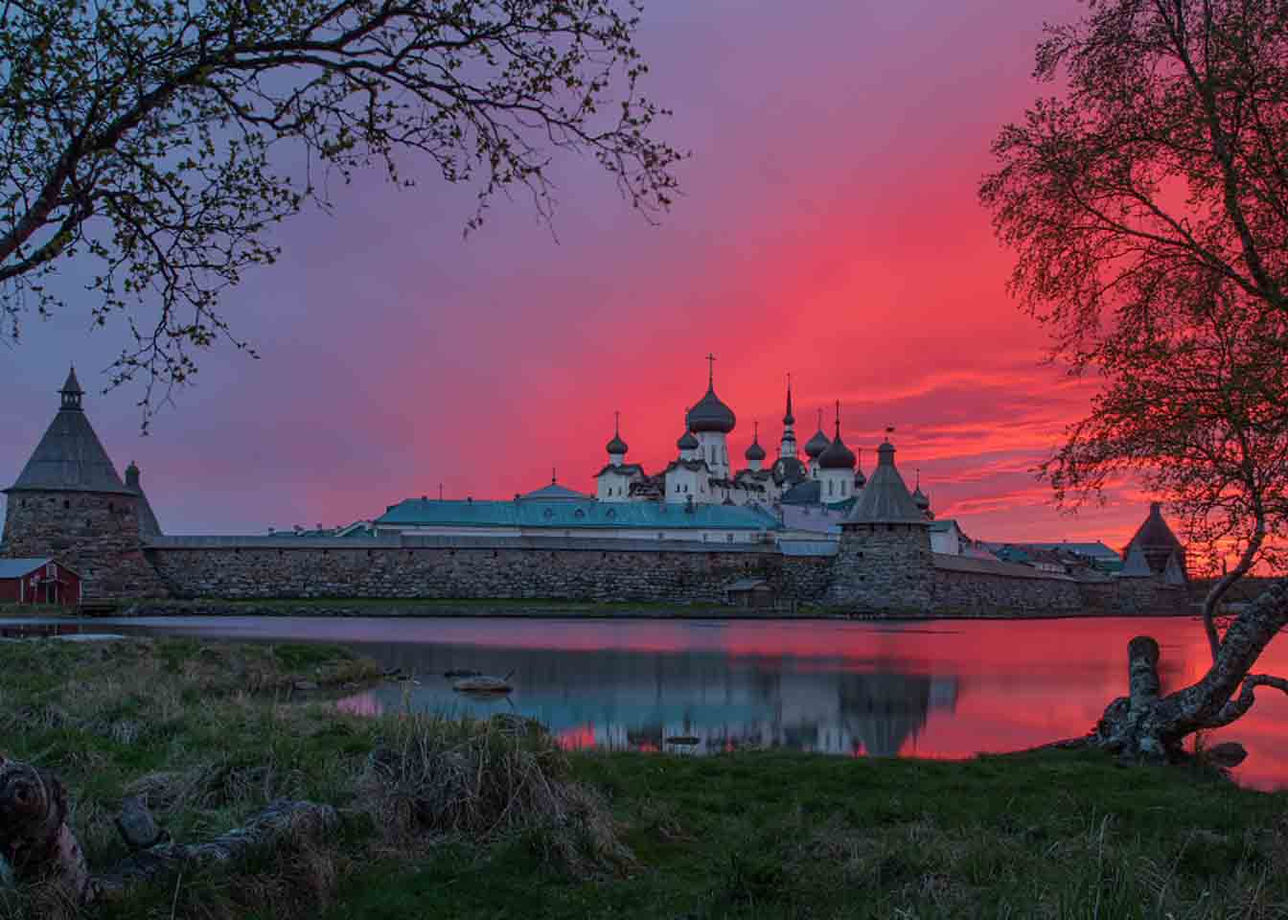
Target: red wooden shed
pixel 38 581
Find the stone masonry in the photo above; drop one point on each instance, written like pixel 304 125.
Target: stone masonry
pixel 553 568
pixel 882 567
pixel 95 534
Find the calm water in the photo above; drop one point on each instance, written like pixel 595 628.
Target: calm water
pixel 928 689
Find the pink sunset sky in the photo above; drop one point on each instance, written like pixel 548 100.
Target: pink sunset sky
pixel 828 228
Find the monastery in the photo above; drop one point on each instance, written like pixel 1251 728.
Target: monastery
pixel 698 495
pixel 818 532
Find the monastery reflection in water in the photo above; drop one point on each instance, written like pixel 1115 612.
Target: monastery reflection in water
pixel 639 700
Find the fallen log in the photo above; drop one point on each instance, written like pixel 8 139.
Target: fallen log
pixel 282 820
pixel 37 845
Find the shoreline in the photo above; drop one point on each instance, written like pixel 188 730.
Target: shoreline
pixel 360 608
pixel 215 733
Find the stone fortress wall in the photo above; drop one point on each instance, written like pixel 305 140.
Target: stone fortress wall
pixel 859 579
pixel 558 568
pixel 578 569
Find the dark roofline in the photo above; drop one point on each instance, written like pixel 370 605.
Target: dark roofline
pixel 624 469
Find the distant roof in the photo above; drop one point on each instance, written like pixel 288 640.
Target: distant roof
pixel 148 524
pixel 990 567
pixel 803 493
pixel 70 458
pixel 16 568
pixel 885 499
pixel 553 492
pixel 621 469
pixel 808 547
pixel 1096 549
pixel 1158 545
pixel 586 513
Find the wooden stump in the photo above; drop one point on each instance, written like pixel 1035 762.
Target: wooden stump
pixel 34 837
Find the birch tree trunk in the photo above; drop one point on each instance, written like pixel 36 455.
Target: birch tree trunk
pixel 1145 726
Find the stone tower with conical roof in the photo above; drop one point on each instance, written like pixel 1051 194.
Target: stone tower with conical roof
pixel 69 503
pixel 883 561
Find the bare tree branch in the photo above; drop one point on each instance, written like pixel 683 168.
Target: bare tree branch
pixel 142 135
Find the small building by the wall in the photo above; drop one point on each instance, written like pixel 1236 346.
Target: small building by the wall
pixel 750 592
pixel 39 580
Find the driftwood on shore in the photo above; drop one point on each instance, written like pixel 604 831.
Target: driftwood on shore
pixel 38 845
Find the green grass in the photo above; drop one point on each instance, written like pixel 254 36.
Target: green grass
pixel 452 819
pixel 787 835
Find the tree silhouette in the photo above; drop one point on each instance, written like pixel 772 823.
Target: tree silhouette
pixel 1147 205
pixel 142 133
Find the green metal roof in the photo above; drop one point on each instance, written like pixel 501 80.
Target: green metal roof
pixel 564 514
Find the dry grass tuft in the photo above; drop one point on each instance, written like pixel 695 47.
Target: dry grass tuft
pixel 431 777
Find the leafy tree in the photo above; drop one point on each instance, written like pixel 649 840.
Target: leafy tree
pixel 142 133
pixel 1147 205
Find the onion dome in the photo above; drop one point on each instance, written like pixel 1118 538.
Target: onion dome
pixel 837 456
pixel 617 445
pixel 755 451
pixel 687 441
pixel 710 414
pixel 920 498
pixel 859 479
pixel 819 443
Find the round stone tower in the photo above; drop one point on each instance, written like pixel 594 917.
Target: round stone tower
pixel 69 504
pixel 883 562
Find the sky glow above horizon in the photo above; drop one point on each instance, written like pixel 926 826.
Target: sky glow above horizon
pixel 828 228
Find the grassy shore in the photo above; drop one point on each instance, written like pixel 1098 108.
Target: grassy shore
pixel 452 819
